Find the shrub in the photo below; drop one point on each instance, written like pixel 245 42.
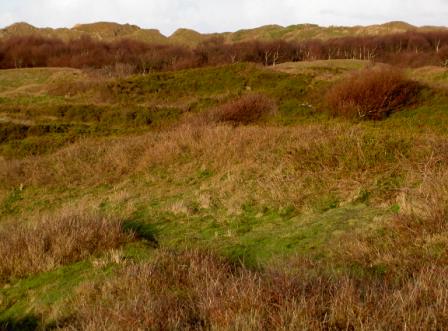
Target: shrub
pixel 372 93
pixel 443 55
pixel 123 57
pixel 244 110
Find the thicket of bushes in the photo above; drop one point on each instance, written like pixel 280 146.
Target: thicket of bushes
pixel 244 110
pixel 372 93
pixel 411 48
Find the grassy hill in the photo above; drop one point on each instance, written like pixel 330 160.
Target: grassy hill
pixel 123 206
pixel 112 31
pixel 100 31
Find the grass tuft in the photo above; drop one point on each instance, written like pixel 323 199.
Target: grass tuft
pixel 54 241
pixel 193 290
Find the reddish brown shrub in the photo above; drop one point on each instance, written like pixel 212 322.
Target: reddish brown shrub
pixel 372 93
pixel 411 59
pixel 244 110
pixel 413 48
pixel 443 55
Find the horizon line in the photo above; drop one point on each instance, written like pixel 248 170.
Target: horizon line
pixel 222 32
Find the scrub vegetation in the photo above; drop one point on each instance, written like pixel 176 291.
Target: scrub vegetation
pixel 307 195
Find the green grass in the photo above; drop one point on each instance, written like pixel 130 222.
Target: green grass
pixel 206 83
pixel 12 79
pixel 352 180
pixel 255 238
pixel 129 106
pixel 8 205
pixel 154 101
pixel 46 296
pixel 42 292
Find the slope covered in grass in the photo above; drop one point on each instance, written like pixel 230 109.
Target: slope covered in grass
pixel 113 31
pixel 291 220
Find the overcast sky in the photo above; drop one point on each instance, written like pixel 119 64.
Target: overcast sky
pixel 221 15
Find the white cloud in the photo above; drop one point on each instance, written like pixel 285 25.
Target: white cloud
pixel 7 18
pixel 219 15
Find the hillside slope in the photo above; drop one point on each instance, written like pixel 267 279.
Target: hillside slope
pixel 124 206
pixel 113 31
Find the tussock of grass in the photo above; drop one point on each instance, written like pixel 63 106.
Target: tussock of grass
pixel 414 240
pixel 318 159
pixel 380 280
pixel 325 224
pixel 196 291
pixel 54 241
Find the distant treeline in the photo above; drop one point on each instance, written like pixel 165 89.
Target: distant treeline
pixel 406 49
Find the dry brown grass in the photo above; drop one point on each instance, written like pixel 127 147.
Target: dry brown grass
pixel 198 291
pixel 256 162
pixel 56 240
pixel 372 93
pixel 390 279
pixel 414 240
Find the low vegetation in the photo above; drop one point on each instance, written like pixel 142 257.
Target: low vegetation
pixel 372 93
pixel 412 48
pixel 225 197
pixel 196 291
pixel 244 110
pixel 379 280
pixel 50 242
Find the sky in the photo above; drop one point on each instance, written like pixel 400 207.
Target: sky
pixel 221 15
